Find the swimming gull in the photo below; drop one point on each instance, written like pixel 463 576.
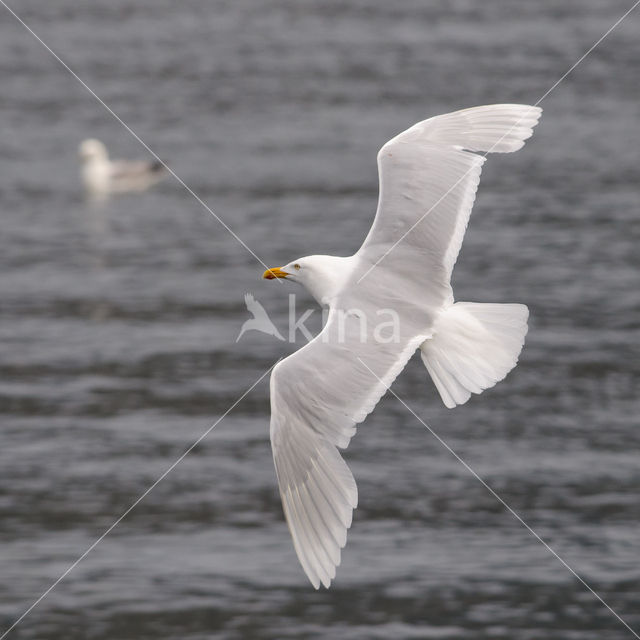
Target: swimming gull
pixel 102 176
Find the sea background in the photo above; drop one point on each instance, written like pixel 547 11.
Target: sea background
pixel 118 321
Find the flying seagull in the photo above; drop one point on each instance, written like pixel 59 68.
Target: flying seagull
pixel 102 176
pixel 428 180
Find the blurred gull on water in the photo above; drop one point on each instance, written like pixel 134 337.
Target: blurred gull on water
pixel 102 176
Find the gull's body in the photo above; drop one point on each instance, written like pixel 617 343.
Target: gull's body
pixel 102 175
pixel 428 180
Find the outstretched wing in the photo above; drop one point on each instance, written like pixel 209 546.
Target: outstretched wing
pixel 318 395
pixel 428 180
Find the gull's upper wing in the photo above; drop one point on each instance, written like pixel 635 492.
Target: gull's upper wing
pixel 135 175
pixel 126 169
pixel 318 395
pixel 428 181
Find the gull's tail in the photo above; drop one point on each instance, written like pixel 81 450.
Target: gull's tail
pixel 473 346
pixel 158 166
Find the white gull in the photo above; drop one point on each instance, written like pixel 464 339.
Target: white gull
pixel 428 180
pixel 102 176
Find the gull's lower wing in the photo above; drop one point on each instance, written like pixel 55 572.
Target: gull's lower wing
pixel 428 180
pixel 318 395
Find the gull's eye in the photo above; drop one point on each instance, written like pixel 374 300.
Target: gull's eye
pixel 296 266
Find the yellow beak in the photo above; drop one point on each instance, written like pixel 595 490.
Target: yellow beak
pixel 276 272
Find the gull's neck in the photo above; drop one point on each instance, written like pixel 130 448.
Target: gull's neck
pixel 329 275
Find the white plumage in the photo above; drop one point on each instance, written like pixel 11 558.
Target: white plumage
pixel 102 176
pixel 428 180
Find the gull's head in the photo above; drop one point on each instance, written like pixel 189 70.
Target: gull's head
pixel 289 271
pixel 92 149
pixel 322 276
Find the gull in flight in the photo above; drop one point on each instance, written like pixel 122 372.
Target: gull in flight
pixel 428 179
pixel 102 176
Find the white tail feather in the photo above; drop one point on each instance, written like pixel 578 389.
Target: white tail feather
pixel 473 346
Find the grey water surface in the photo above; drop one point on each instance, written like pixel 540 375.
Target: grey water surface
pixel 119 321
